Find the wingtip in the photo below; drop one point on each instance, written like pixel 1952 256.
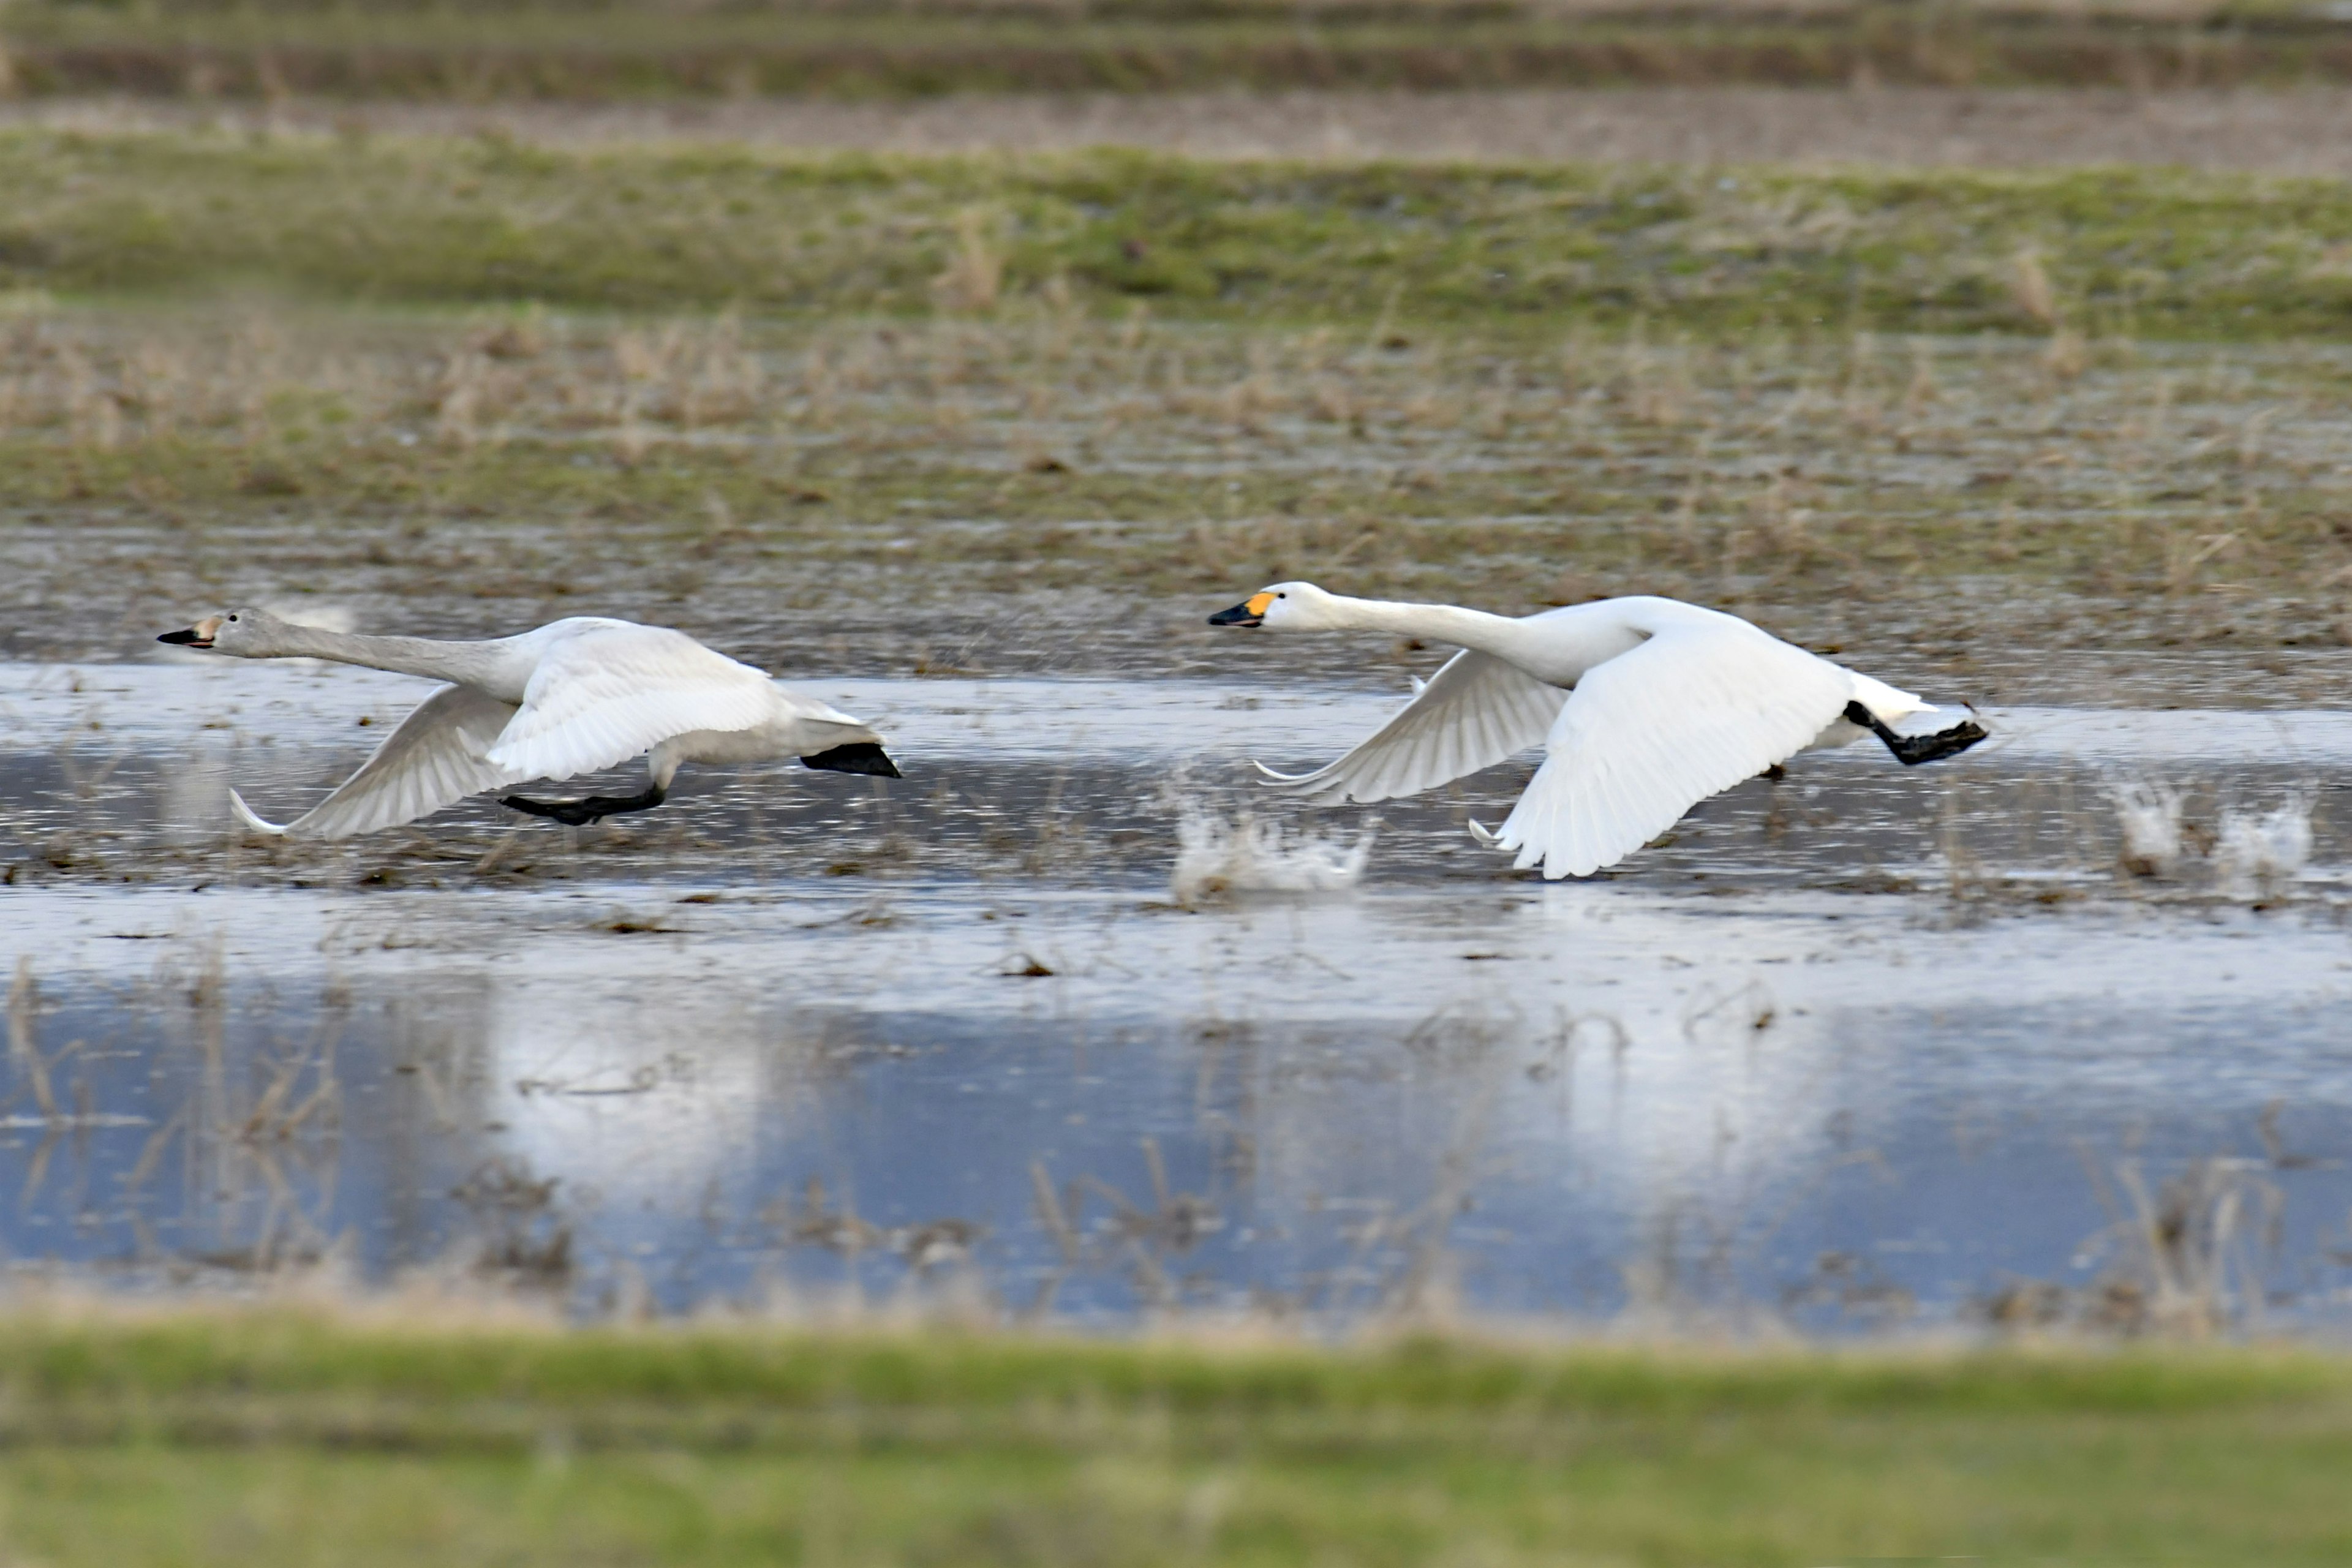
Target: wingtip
pixel 245 816
pixel 1273 777
pixel 1487 838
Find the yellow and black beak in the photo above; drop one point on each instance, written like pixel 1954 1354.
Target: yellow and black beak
pixel 1250 612
pixel 198 635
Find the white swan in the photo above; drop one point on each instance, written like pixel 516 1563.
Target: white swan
pixel 1645 707
pixel 574 697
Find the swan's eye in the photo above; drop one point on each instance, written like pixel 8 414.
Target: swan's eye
pixel 1277 596
pixel 232 617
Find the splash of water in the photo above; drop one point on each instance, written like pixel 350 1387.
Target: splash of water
pixel 1221 858
pixel 2149 815
pixel 2261 852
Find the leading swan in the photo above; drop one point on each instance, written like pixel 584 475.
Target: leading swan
pixel 572 696
pixel 1645 707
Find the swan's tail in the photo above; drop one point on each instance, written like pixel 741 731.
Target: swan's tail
pixel 245 814
pixel 1890 704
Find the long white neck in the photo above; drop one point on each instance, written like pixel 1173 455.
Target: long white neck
pixel 460 663
pixel 1506 639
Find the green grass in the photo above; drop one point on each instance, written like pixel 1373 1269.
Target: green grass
pixel 303 366
pixel 1718 253
pixel 558 51
pixel 197 1439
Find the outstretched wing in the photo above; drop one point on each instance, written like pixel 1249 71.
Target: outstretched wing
pixel 1649 734
pixel 1474 712
pixel 436 758
pixel 609 692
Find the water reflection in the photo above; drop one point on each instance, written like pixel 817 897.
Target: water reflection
pixel 1860 1047
pixel 1587 1101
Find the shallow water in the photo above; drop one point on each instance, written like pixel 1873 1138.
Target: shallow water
pixel 1864 1046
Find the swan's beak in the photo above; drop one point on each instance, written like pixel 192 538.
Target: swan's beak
pixel 198 635
pixel 1250 612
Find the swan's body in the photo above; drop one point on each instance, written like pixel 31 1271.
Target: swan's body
pixel 574 697
pixel 1645 707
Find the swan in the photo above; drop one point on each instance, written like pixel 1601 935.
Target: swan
pixel 575 696
pixel 1645 707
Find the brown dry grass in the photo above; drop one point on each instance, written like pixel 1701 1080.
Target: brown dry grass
pixel 2305 131
pixel 159 462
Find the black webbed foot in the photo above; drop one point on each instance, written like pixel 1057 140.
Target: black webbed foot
pixel 1912 750
pixel 581 813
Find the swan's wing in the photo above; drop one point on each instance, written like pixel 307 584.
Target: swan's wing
pixel 608 694
pixel 1650 733
pixel 435 759
pixel 1474 712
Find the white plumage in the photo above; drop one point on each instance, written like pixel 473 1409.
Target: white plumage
pixel 603 692
pixel 1474 713
pixel 574 697
pixel 435 759
pixel 1643 706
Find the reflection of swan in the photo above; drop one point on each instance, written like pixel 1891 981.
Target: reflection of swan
pixel 572 696
pixel 1644 706
pixel 641 1093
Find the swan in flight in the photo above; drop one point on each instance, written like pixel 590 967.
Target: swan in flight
pixel 1645 707
pixel 575 696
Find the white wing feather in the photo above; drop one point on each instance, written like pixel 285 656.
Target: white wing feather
pixel 1650 733
pixel 611 692
pixel 1474 712
pixel 436 758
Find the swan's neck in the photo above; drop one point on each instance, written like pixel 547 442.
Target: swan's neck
pixel 479 664
pixel 1500 636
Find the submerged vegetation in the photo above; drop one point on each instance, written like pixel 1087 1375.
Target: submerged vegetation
pixel 201 1438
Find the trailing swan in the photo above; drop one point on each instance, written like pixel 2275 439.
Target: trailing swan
pixel 1645 707
pixel 574 697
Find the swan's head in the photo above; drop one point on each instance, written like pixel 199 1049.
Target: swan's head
pixel 1285 606
pixel 247 634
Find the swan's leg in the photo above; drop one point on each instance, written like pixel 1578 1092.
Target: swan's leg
pixel 1912 750
pixel 579 813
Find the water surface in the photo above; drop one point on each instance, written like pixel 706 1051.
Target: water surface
pixel 1866 1047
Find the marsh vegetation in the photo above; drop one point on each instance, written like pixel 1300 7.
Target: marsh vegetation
pixel 1065 1029
pixel 659 49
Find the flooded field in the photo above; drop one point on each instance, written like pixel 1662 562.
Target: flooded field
pixel 1858 1049
pixel 1074 1022
pixel 485 1189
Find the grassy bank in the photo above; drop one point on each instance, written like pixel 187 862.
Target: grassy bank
pixel 353 368
pixel 896 473
pixel 198 1440
pixel 651 51
pixel 1715 253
